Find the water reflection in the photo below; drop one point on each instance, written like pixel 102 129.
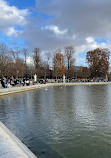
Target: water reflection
pixel 72 121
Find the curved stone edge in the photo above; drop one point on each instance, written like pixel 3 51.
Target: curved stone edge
pixel 20 146
pixel 23 89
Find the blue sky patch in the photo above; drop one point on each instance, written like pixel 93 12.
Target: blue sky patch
pixel 22 4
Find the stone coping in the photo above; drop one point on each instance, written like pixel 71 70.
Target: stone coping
pixel 6 91
pixel 11 146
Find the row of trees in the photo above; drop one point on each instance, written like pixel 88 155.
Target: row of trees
pixel 10 63
pixel 62 63
pixel 98 61
pixel 14 63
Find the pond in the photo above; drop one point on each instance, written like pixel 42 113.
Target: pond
pixel 61 122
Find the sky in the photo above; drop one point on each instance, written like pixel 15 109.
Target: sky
pixel 53 24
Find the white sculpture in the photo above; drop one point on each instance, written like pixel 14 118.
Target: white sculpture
pixel 63 78
pixel 35 78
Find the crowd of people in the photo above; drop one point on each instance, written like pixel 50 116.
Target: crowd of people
pixel 8 82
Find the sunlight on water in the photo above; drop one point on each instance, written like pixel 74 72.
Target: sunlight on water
pixel 61 122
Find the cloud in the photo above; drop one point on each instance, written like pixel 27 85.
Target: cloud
pixel 30 61
pixel 91 44
pixel 55 29
pixel 45 37
pixel 69 23
pixel 84 18
pixel 58 23
pixel 12 31
pixel 10 17
pixel 90 40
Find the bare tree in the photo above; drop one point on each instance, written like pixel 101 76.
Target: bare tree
pixel 37 61
pixel 69 53
pixel 20 68
pixel 3 50
pixel 25 52
pixel 46 64
pixel 14 53
pixel 48 56
pixel 3 56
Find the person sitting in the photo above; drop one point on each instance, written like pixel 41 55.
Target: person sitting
pixel 12 83
pixel 8 85
pixel 27 82
pixel 5 84
pixel 2 83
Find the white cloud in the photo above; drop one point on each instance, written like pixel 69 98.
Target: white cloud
pixel 83 19
pixel 91 44
pixel 30 61
pixel 90 40
pixel 11 16
pixel 11 31
pixel 74 23
pixel 80 48
pixel 55 29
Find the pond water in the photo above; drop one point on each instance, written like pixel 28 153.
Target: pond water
pixel 61 122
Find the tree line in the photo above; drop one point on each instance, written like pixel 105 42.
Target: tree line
pixel 53 65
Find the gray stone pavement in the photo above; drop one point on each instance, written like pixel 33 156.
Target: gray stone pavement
pixel 11 146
